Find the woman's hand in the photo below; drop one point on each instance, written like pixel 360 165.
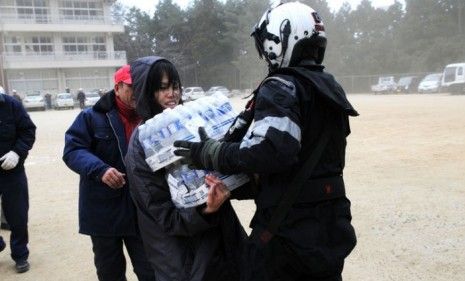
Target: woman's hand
pixel 217 194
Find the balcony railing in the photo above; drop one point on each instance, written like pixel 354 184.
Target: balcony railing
pixel 57 19
pixel 12 58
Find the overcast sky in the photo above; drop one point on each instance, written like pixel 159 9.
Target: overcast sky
pixel 149 5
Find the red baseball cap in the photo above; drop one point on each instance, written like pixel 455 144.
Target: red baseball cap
pixel 123 75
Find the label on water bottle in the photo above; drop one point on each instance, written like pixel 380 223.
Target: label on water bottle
pixel 186 187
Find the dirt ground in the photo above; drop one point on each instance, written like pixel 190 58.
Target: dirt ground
pixel 404 174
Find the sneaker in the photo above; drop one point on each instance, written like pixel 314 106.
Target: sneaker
pixel 2 244
pixel 22 266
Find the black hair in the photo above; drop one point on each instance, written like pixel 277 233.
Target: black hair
pixel 147 106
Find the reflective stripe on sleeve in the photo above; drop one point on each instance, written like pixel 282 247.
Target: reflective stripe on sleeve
pixel 282 124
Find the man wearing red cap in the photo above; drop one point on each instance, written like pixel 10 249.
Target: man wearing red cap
pixel 95 146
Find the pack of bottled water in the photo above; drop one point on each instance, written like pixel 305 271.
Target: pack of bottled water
pixel 158 134
pixel 188 188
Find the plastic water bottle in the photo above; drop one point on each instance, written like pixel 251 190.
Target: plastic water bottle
pixel 175 126
pixel 208 114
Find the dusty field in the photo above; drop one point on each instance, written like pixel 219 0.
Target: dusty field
pixel 404 174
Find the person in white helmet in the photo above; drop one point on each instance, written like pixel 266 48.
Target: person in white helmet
pixel 296 151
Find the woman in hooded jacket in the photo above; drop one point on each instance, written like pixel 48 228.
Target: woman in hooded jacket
pixel 196 244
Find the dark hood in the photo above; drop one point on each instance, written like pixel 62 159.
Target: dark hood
pixel 140 69
pixel 324 82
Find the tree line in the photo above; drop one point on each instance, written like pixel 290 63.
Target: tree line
pixel 210 41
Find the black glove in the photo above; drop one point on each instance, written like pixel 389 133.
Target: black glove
pixel 200 155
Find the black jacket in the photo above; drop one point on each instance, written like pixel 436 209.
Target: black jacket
pixel 181 244
pixel 293 108
pixel 95 142
pixel 17 131
pixel 290 115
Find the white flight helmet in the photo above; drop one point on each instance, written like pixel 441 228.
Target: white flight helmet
pixel 288 33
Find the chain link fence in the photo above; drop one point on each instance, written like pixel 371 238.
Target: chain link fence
pixel 363 83
pixel 233 78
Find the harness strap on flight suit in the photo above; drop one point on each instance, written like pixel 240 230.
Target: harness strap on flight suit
pixel 295 187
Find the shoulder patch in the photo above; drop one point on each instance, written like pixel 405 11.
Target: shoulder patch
pixel 282 91
pixel 280 84
pixel 284 84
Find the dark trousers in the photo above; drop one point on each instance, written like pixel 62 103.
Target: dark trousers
pixel 110 261
pixel 15 204
pixel 311 244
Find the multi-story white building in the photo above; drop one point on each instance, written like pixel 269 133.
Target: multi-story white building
pixel 51 45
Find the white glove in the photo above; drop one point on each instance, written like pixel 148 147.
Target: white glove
pixel 10 160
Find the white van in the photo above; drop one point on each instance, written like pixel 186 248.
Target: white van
pixel 453 78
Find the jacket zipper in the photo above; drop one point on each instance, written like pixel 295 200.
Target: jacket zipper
pixel 117 138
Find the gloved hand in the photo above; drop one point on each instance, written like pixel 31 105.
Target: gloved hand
pixel 200 155
pixel 10 160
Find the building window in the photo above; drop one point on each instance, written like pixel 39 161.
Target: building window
pixel 33 10
pixel 41 45
pixel 98 44
pixel 27 81
pixel 13 44
pixel 75 44
pixel 88 79
pixel 81 10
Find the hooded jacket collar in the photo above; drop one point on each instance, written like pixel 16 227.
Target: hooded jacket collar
pixel 140 69
pixel 106 103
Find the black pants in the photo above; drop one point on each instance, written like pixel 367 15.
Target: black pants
pixel 110 261
pixel 15 204
pixel 311 245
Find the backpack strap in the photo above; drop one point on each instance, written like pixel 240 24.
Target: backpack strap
pixel 295 187
pixel 241 124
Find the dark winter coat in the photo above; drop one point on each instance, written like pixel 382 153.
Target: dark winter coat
pixel 293 108
pixel 290 116
pixel 17 131
pixel 181 244
pixel 95 142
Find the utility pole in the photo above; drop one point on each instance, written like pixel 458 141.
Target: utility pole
pixel 460 15
pixel 2 71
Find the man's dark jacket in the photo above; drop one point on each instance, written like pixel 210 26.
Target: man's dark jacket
pixel 95 142
pixel 17 131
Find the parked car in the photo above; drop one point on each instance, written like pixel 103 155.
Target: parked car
pixel 453 78
pixel 219 89
pixel 64 100
pixel 430 84
pixel 192 93
pixel 407 84
pixel 91 99
pixel 34 101
pixel 386 84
